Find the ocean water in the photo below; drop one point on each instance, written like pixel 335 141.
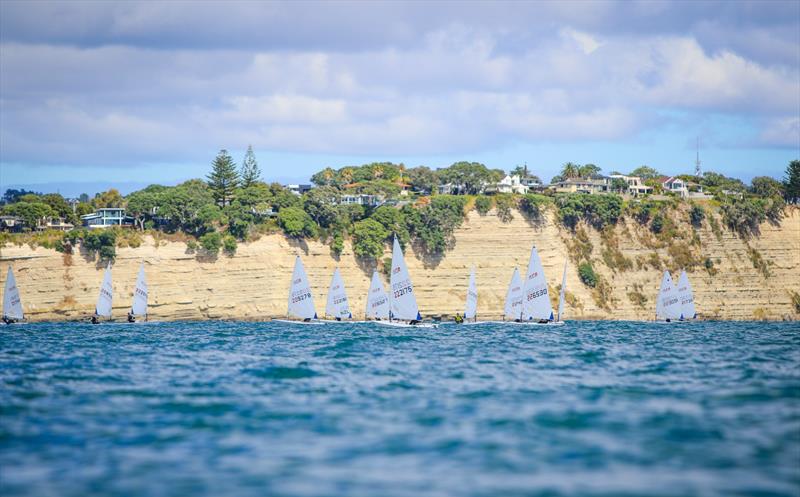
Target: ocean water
pixel 241 409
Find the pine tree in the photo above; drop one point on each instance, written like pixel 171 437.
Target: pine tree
pixel 250 171
pixel 791 182
pixel 223 179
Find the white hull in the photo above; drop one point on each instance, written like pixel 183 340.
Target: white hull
pixel 400 324
pixel 468 323
pixel 315 322
pixel 531 323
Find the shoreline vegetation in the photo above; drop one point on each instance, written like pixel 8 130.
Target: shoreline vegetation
pixel 233 206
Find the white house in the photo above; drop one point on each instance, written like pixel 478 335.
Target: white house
pixel 675 185
pixel 511 184
pixel 105 217
pixel 636 186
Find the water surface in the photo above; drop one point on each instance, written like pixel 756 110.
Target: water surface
pixel 240 409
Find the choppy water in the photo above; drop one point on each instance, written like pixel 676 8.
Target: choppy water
pixel 238 409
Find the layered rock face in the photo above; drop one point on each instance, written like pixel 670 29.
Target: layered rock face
pixel 254 283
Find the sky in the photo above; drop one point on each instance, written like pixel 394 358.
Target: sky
pixel 124 94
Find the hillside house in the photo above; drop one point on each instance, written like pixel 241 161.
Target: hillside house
pixel 106 217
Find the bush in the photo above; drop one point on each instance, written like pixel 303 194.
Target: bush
pixel 102 241
pixel 483 204
pixel 587 274
pixel 597 210
pixel 435 223
pixel 191 244
pixel 696 216
pixel 296 223
pixel 337 244
pixel 211 242
pixel 658 224
pixel 533 205
pixel 368 239
pixel 503 203
pixel 229 245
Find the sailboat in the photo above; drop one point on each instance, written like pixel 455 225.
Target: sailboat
pixel 301 302
pixel 404 311
pixel 12 305
pixel 377 300
pixel 561 295
pixel 513 307
pixel 470 315
pixel 105 299
pixel 536 307
pixel 337 305
pixel 686 296
pixel 139 305
pixel 668 303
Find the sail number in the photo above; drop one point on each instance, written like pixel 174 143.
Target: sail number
pixel 402 291
pixel 301 297
pixel 339 300
pixel 536 294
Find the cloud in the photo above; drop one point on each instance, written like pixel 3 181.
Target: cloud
pixel 129 83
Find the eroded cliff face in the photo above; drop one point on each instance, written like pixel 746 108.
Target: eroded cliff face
pixel 254 283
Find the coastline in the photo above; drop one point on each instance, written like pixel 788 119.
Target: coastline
pixel 252 285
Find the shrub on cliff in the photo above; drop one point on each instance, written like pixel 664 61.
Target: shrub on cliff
pixel 504 203
pixel 211 242
pixel 533 205
pixel 102 242
pixel 394 221
pixel 597 210
pixel 368 239
pixel 483 204
pixel 296 223
pixel 229 245
pixel 434 223
pixel 587 274
pixel 696 216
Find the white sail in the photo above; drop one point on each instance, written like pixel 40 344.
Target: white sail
pixel 471 310
pixel 687 297
pixel 377 300
pixel 668 305
pixel 301 303
pixel 106 297
pixel 403 302
pixel 139 306
pixel 513 309
pixel 561 293
pixel 337 305
pixel 12 305
pixel 536 302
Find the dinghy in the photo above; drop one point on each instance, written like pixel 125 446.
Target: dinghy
pixel 377 300
pixel 337 307
pixel 513 307
pixel 12 304
pixel 668 303
pixel 139 305
pixel 404 311
pixel 470 315
pixel 105 299
pixel 536 307
pixel 301 302
pixel 687 298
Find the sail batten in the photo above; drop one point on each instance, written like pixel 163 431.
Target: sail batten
pixel 337 305
pixel 668 302
pixel 301 302
pixel 513 307
pixel 686 297
pixel 12 304
pixel 536 299
pixel 106 298
pixel 377 300
pixel 401 296
pixel 139 306
pixel 471 309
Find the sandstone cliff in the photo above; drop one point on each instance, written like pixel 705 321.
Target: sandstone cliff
pixel 253 284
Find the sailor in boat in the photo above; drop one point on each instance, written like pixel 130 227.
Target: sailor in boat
pixel 95 318
pixel 459 319
pixel 338 318
pixel 8 320
pixel 131 317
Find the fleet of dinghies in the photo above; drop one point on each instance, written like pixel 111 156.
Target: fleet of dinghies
pixel 527 302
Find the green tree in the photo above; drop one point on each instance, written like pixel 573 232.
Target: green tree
pixel 422 179
pixel 250 171
pixel 60 207
pixel 143 204
pixel 320 203
pixel 588 170
pixel 296 223
pixel 326 177
pixel 110 198
pixel 764 186
pixel 791 182
pixel 83 208
pixel 211 242
pixel 587 274
pixel 467 177
pixel 619 185
pixel 224 178
pixel 645 172
pixel 394 222
pixel 368 239
pixel 570 170
pixel 483 204
pixel 696 215
pixel 33 214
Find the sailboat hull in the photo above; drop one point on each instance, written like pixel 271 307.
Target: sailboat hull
pixel 399 324
pixel 314 322
pixel 530 323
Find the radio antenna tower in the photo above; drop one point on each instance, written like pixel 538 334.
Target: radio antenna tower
pixel 697 160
